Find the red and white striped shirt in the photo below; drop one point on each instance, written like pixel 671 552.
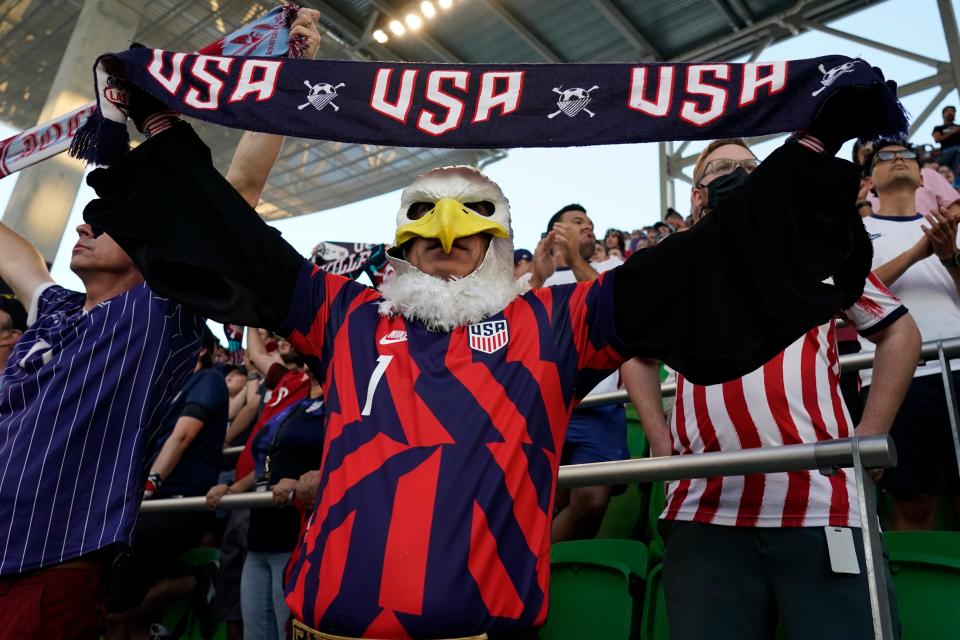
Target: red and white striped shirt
pixel 792 399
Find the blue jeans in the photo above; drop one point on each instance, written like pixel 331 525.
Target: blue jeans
pixel 261 596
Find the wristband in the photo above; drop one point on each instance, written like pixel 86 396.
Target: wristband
pixel 152 485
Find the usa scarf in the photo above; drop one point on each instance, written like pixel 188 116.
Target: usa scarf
pixel 502 105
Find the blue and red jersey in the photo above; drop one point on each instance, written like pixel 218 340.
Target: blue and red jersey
pixel 440 457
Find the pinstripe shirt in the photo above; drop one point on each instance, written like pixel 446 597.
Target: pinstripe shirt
pixel 84 391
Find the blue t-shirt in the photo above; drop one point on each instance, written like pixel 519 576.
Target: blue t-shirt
pixel 83 391
pixel 203 396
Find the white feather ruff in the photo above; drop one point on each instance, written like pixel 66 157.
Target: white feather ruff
pixel 443 305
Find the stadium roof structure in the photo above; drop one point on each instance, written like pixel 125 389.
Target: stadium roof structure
pixel 312 176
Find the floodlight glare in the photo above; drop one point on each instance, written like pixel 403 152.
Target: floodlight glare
pixel 414 21
pixel 397 27
pixel 445 4
pixel 380 36
pixel 427 9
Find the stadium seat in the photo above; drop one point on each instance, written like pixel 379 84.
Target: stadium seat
pixel 182 619
pixel 596 590
pixel 657 502
pixel 926 571
pixel 655 625
pixel 625 514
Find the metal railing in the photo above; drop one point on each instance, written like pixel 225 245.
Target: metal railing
pixel 859 454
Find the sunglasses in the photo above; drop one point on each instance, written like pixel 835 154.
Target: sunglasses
pixel 724 166
pixel 887 156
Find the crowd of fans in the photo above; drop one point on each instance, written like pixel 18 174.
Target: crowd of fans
pixel 175 398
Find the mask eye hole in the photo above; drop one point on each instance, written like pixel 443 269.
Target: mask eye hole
pixel 484 208
pixel 419 209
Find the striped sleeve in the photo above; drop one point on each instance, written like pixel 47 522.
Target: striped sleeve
pixel 583 315
pixel 319 305
pixel 876 309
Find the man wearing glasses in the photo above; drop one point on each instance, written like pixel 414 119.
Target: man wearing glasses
pixel 764 537
pixel 915 254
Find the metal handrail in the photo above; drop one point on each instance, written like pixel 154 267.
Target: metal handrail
pixel 876 451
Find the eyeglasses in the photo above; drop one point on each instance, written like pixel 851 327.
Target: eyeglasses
pixel 723 166
pixel 887 156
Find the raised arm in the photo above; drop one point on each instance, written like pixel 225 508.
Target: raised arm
pixel 252 162
pixel 21 265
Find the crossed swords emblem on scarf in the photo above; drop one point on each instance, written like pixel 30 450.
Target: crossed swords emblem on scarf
pixel 572 101
pixel 321 95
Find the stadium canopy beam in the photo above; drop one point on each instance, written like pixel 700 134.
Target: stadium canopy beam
pixel 626 28
pixel 945 78
pixel 949 20
pixel 518 27
pixel 732 19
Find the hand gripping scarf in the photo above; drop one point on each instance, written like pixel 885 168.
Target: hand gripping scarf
pixel 502 105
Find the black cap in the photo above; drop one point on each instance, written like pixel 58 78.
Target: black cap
pixel 15 310
pixel 521 254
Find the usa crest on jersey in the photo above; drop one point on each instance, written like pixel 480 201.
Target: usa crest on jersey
pixel 490 336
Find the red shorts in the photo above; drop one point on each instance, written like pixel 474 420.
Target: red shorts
pixel 56 603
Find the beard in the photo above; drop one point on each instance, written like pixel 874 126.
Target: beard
pixel 443 305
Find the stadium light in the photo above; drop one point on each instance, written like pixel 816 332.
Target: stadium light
pixel 397 27
pixel 380 36
pixel 427 9
pixel 445 4
pixel 414 21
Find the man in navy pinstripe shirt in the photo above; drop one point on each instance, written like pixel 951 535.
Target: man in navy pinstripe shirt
pixel 84 388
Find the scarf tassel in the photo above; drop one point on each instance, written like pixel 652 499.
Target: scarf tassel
pixel 100 141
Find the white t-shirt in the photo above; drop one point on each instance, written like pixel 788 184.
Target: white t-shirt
pixel 792 399
pixel 564 275
pixel 926 288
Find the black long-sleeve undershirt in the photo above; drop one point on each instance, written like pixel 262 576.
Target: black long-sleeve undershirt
pixel 731 293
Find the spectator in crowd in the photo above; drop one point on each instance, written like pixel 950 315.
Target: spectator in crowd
pixel 447 390
pixel 645 239
pixel 289 446
pixel 187 464
pixel 599 252
pixel 915 255
pixel 762 536
pixel 947 135
pixel 661 231
pixel 13 322
pixel 522 263
pixel 947 173
pixel 88 379
pixel 597 434
pixel 614 239
pixel 934 194
pixel 675 220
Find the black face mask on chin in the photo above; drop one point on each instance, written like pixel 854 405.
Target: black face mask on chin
pixel 723 186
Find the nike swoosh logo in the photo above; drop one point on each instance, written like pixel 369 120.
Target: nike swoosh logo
pixel 386 340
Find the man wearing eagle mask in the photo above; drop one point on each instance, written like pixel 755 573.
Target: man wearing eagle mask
pixel 448 391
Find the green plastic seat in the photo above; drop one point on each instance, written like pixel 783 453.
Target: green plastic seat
pixel 655 625
pixel 596 590
pixel 926 571
pixel 657 502
pixel 625 513
pixel 180 619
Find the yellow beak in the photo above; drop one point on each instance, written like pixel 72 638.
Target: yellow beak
pixel 447 221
